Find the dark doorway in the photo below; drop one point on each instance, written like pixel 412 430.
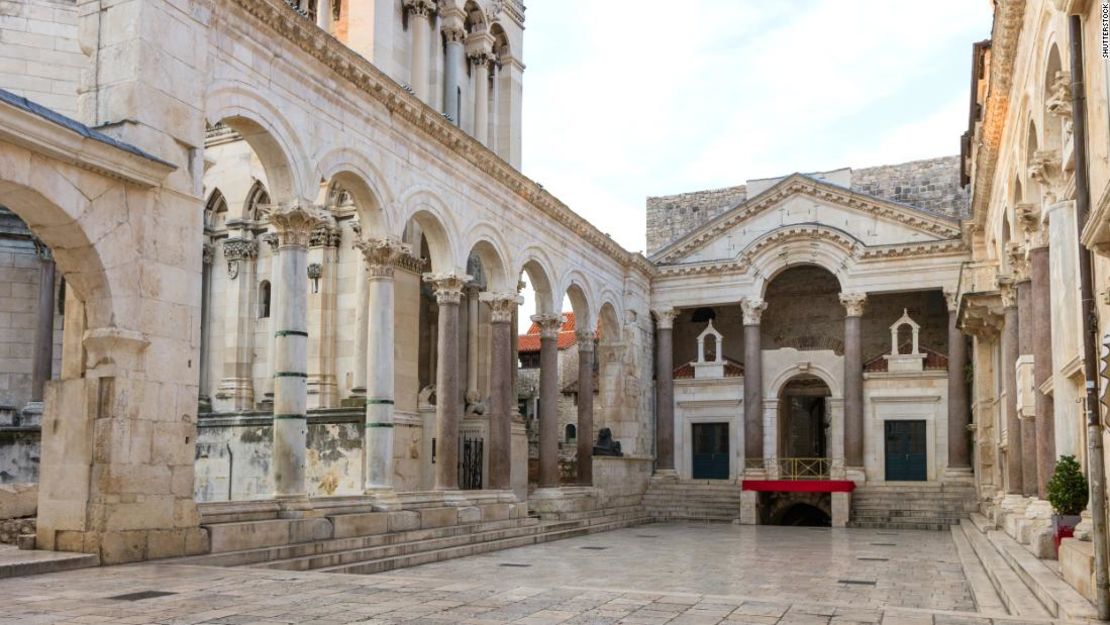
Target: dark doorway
pixel 710 451
pixel 804 423
pixel 905 451
pixel 805 515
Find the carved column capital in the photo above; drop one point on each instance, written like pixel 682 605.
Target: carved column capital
pixel 1008 291
pixel 753 310
pixel 294 223
pixel 952 300
pixel 550 324
pixel 208 253
pixel 453 25
pixel 448 287
pixel 664 317
pixel 420 8
pixel 237 249
pixel 325 233
pixel 271 239
pixel 382 255
pixel 854 303
pixel 585 340
pixel 501 305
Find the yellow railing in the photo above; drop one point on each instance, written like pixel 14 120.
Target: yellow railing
pixel 803 468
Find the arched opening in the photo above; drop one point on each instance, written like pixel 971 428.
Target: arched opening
pixel 803 311
pixel 1057 102
pixel 570 434
pixel 805 515
pixel 804 428
pixel 1033 193
pixel 264 299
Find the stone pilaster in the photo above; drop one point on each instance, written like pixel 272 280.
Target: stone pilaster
pixel 753 384
pixel 959 458
pixel 664 390
pixel 380 256
pixel 585 407
pixel 854 304
pixel 236 387
pixel 502 399
pixel 294 224
pixel 323 389
pixel 1010 340
pixel 44 326
pixel 448 291
pixel 549 324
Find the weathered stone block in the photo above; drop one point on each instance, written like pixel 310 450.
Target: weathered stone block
pixel 469 514
pixel 403 520
pixel 1077 566
pixel 496 511
pixel 367 524
pixel 438 517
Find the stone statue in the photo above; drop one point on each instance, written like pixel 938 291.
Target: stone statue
pixel 605 445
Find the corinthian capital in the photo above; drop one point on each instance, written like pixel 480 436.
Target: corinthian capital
pixel 448 287
pixel 753 310
pixel 854 303
pixel 420 8
pixel 294 222
pixel 549 324
pixel 664 317
pixel 501 305
pixel 382 255
pixel 585 340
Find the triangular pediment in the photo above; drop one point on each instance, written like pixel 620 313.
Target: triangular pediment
pixel 799 201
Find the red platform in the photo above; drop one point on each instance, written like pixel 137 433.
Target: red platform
pixel 799 486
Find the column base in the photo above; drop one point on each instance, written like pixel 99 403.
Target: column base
pixel 749 508
pixel 958 475
pixel 669 475
pixel 295 507
pixel 855 474
pixel 383 498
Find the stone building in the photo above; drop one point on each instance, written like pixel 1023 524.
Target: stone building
pixel 1040 195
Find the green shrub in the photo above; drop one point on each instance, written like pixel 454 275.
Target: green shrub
pixel 1067 490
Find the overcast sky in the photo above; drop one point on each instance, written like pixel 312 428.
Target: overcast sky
pixel 629 98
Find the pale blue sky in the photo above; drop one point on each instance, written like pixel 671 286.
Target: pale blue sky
pixel 629 98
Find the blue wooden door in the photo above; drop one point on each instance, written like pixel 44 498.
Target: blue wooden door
pixel 710 451
pixel 905 451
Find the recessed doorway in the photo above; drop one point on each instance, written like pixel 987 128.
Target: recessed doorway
pixel 710 461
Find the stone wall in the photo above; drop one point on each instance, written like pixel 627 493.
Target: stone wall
pixel 931 185
pixel 622 480
pixel 39 56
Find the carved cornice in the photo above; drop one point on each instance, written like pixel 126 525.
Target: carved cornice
pixel 405 106
pixel 801 185
pixel 550 324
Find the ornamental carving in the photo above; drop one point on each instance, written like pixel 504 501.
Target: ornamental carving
pixel 208 253
pixel 854 303
pixel 550 324
pixel 237 249
pixel 295 223
pixel 1008 292
pixel 952 300
pixel 664 317
pixel 420 8
pixel 1058 102
pixel 325 234
pixel 315 270
pixel 501 305
pixel 271 239
pixel 448 287
pixel 1045 168
pixel 1019 265
pixel 382 255
pixel 753 310
pixel 585 340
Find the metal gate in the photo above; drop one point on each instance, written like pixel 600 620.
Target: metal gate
pixel 470 463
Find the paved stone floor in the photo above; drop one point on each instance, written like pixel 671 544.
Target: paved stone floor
pixel 675 573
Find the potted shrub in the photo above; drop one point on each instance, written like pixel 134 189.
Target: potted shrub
pixel 1067 492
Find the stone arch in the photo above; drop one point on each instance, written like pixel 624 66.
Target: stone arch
pixel 608 321
pixel 821 246
pixel 801 370
pixel 502 48
pixel 1052 129
pixel 358 176
pixel 1032 186
pixel 475 19
pixel 578 291
pixel 535 264
pixel 213 208
pixel 485 242
pixel 425 209
pixel 779 506
pixel 271 136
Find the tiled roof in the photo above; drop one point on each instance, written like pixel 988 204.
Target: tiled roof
pixel 733 369
pixel 934 360
pixel 530 342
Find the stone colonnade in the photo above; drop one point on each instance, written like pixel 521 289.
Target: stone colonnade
pixel 760 451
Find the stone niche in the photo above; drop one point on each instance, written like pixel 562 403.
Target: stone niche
pixel 912 362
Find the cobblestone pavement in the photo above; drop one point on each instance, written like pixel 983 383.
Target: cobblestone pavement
pixel 675 573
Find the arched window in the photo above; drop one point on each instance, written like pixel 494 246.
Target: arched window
pixel 215 211
pixel 264 300
pixel 571 433
pixel 256 198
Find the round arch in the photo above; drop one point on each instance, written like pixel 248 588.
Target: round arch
pixel 270 135
pixel 795 371
pixel 493 264
pixel 819 246
pixel 534 262
pixel 358 176
pixel 608 322
pixel 425 209
pixel 578 291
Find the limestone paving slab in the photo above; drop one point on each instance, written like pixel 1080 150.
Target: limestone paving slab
pixel 729 575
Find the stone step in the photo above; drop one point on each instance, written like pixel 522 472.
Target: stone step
pixel 986 597
pixel 15 562
pixel 1062 601
pixel 900 525
pixel 437 555
pixel 1015 595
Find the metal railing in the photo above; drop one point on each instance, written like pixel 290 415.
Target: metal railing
pixel 803 468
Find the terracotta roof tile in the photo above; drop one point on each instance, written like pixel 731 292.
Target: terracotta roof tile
pixel 733 369
pixel 530 342
pixel 934 360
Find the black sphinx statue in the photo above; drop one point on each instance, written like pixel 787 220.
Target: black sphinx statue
pixel 605 445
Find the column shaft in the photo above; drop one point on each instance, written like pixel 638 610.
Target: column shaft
pixel 481 99
pixel 362 331
pixel 958 413
pixel 44 329
pixel 853 392
pixel 452 62
pixel 421 28
pixel 753 395
pixel 448 290
pixel 1009 407
pixel 290 376
pixel 586 411
pixel 379 382
pixel 500 403
pixel 472 393
pixel 1042 367
pixel 549 402
pixel 664 397
pixel 1028 421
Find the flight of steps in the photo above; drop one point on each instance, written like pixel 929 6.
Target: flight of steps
pixel 928 505
pixel 702 500
pixel 378 552
pixel 1006 578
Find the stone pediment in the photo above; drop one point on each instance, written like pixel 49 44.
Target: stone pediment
pixel 799 205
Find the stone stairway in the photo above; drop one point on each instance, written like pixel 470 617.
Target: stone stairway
pixel 1006 577
pixel 707 500
pixel 927 506
pixel 373 548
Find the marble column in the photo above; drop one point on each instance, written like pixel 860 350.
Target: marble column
pixel 380 256
pixel 453 57
pixel 1010 340
pixel 481 62
pixel 1042 366
pixel 362 328
pixel 753 384
pixel 550 325
pixel 271 240
pixel 1024 292
pixel 585 407
pixel 502 391
pixel 420 25
pixel 664 390
pixel 294 224
pixel 959 458
pixel 473 396
pixel 43 360
pixel 236 385
pixel 323 14
pixel 448 290
pixel 853 379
